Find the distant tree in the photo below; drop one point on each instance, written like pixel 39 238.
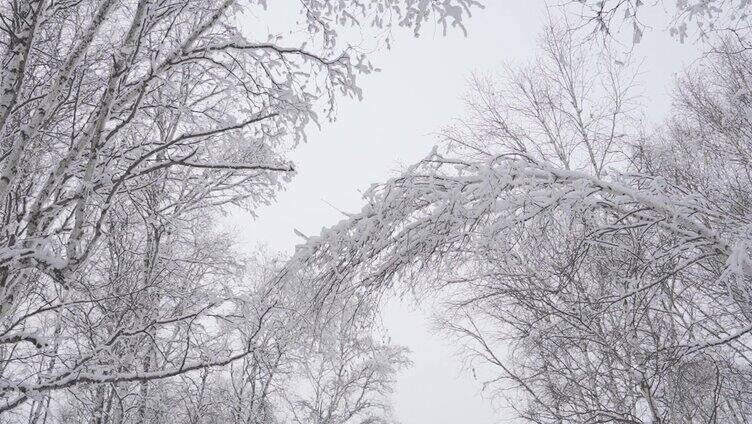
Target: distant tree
pixel 601 274
pixel 347 380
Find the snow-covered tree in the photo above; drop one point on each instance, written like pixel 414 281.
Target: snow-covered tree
pixel 126 128
pixel 684 19
pixel 597 272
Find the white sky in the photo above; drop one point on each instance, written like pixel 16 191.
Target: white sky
pixel 418 91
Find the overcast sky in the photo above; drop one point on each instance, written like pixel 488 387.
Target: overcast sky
pixel 418 91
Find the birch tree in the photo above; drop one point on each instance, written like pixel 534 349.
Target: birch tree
pixel 126 128
pixel 684 19
pixel 597 272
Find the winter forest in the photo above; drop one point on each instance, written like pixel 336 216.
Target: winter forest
pixel 587 259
